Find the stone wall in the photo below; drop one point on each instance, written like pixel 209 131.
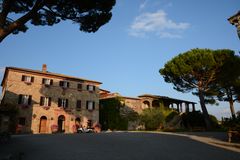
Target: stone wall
pixel 14 86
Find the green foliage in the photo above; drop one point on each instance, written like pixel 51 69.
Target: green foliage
pixel 214 121
pixel 196 119
pixel 110 117
pixel 89 14
pixel 193 119
pixel 9 109
pixel 170 116
pixel 186 70
pixel 232 123
pixel 152 118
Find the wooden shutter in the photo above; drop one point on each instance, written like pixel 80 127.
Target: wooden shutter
pixel 80 86
pixel 41 101
pixel 20 99
pixel 32 79
pixel 43 81
pixel 61 83
pixel 93 107
pixel 94 87
pixel 66 103
pixel 59 102
pixel 23 77
pixel 49 101
pixel 29 100
pixel 68 84
pixel 78 104
pixel 87 87
pixel 51 82
pixel 87 104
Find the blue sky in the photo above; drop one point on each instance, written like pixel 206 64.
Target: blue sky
pixel 127 53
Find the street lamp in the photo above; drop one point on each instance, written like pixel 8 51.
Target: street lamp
pixel 235 20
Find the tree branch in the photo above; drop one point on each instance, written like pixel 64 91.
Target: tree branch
pixel 22 20
pixel 6 6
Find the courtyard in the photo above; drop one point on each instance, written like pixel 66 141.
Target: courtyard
pixel 112 146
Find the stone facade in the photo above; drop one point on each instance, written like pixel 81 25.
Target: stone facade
pixel 138 104
pixel 52 106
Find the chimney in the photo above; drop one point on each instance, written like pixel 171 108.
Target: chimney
pixel 44 68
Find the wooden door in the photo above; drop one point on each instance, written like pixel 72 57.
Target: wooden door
pixel 43 125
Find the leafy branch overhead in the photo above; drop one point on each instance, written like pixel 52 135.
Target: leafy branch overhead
pixel 89 14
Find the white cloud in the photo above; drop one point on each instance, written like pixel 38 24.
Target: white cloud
pixel 143 5
pixel 157 23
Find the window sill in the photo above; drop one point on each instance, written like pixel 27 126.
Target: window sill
pixel 28 83
pixel 90 110
pixel 46 107
pixel 47 85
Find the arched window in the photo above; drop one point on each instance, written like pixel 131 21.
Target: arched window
pixel 155 104
pixel 146 104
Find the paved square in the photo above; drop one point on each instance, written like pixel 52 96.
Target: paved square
pixel 112 146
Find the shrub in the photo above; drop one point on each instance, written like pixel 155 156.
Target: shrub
pixel 171 115
pixel 193 119
pixel 196 119
pixel 152 118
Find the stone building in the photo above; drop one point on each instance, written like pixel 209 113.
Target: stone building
pixel 49 102
pixel 138 104
pixel 150 101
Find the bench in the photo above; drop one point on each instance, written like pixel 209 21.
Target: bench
pixel 232 134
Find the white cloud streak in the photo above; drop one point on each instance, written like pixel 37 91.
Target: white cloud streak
pixel 143 5
pixel 157 23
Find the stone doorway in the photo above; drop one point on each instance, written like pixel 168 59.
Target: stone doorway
pixel 78 122
pixel 43 125
pixel 61 123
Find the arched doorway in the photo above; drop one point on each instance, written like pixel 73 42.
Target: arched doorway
pixel 155 104
pixel 43 125
pixel 77 122
pixel 61 123
pixel 146 104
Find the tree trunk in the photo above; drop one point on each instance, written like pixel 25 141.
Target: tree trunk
pixel 204 110
pixel 3 34
pixel 232 108
pixel 5 31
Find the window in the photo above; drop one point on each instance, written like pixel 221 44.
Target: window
pixel 47 81
pixel 90 105
pixel 79 86
pixel 64 84
pixel 63 103
pixel 78 105
pixel 22 121
pixel 45 101
pixel 27 79
pixel 90 88
pixel 25 99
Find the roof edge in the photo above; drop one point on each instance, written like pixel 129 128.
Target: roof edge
pixel 49 73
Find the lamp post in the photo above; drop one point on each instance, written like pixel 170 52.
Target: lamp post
pixel 235 20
